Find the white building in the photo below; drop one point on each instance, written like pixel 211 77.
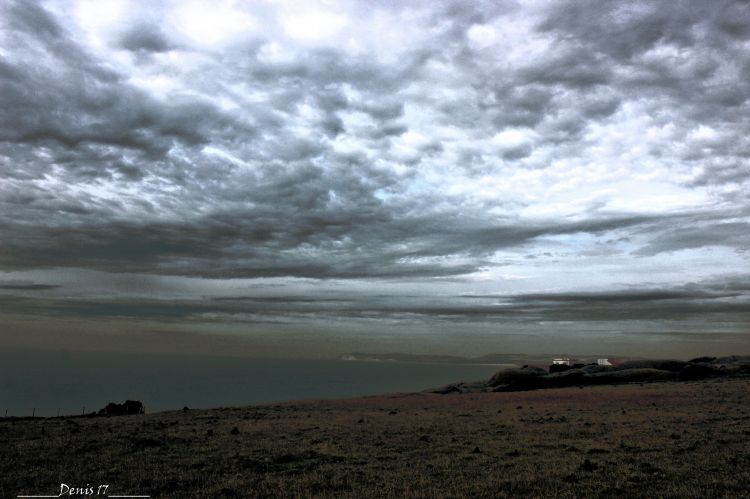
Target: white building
pixel 562 361
pixel 603 362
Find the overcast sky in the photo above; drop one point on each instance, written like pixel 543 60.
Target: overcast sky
pixel 311 178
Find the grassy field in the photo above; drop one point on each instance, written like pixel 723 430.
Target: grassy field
pixel 654 440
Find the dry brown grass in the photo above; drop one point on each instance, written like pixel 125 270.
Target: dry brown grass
pixel 655 440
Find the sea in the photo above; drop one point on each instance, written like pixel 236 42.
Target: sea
pixel 45 383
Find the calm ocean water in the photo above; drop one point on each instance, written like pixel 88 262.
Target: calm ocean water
pixel 52 381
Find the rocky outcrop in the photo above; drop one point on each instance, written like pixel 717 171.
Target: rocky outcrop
pixel 640 371
pixel 509 376
pixel 129 407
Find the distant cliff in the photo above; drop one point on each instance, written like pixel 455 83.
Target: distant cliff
pixel 634 371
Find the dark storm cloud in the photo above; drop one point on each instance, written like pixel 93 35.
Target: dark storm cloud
pixel 321 67
pixel 732 235
pixel 54 95
pixel 623 30
pixel 278 299
pixel 685 59
pixel 27 287
pixel 102 174
pixel 569 69
pixel 730 171
pixel 155 309
pixel 672 303
pixel 739 283
pixel 358 240
pixel 644 296
pixel 629 36
pixel 146 37
pixel 701 300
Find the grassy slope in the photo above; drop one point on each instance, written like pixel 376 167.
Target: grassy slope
pixel 667 439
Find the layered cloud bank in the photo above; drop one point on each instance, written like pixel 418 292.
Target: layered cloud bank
pixel 247 163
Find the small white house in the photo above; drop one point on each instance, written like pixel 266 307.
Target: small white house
pixel 561 361
pixel 603 362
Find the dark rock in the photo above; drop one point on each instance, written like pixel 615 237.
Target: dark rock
pixel 130 407
pixel 702 360
pixel 559 368
pixel 596 368
pixel 733 359
pixel 235 431
pixel 445 390
pixel 508 376
pixel 694 372
pixel 634 375
pixel 462 387
pixel 659 364
pixel 588 465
